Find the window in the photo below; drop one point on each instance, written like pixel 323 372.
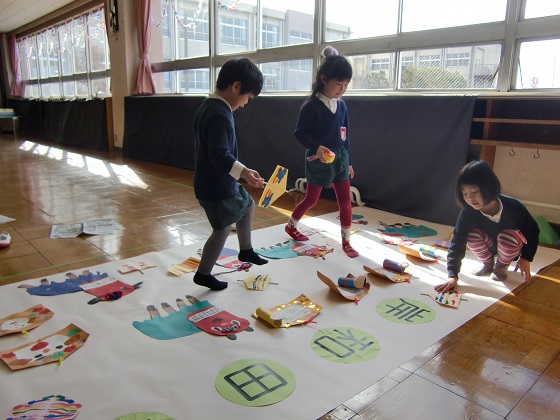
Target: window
pixel 233 31
pixel 294 18
pixel 270 35
pixel 432 60
pixel 271 78
pixel 236 25
pixel 539 65
pixel 457 60
pixel 380 64
pixel 372 71
pixel 541 8
pixel 294 75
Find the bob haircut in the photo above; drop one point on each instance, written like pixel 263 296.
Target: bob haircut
pixel 240 70
pixel 481 175
pixel 334 66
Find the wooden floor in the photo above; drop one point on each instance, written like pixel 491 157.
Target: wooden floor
pixel 504 363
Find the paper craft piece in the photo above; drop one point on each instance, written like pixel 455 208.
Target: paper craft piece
pixel 108 288
pixel 53 348
pixel 137 266
pixel 187 266
pixel 228 258
pixel 389 274
pixel 406 229
pixel 443 243
pixel 275 187
pixel 396 239
pixel 26 320
pixel 5 219
pixel 51 407
pixel 358 219
pixel 350 293
pixel 70 285
pixel 216 321
pixel 298 311
pixel 71 230
pixel 175 325
pixel 450 298
pixel 414 251
pixel 91 227
pixel 144 416
pixel 292 249
pixel 255 382
pixel 405 311
pixel 259 282
pixel 345 345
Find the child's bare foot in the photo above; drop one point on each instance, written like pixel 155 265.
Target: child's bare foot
pixel 351 252
pixel 295 234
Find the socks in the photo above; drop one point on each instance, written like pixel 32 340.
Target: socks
pixel 208 280
pixel 500 272
pixel 294 233
pixel 248 255
pixel 351 252
pixel 486 268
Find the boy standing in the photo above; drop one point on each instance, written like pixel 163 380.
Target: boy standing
pixel 217 169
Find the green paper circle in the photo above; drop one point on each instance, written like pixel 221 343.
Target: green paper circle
pixel 255 382
pixel 405 311
pixel 144 416
pixel 345 345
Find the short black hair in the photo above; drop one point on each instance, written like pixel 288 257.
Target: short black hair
pixel 481 175
pixel 240 70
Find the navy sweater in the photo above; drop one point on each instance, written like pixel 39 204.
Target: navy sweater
pixel 318 126
pixel 216 151
pixel 514 216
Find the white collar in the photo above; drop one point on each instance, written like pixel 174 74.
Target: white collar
pixel 496 218
pixel 214 96
pixel 329 103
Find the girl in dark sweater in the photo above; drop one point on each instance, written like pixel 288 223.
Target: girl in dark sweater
pixel 322 128
pixel 490 224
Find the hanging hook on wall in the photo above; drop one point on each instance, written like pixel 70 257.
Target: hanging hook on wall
pixel 537 155
pixel 512 152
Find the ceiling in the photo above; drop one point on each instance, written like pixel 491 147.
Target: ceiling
pixel 17 13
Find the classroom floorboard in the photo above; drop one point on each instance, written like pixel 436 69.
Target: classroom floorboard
pixel 513 345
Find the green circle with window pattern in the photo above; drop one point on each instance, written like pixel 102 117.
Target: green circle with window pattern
pixel 345 345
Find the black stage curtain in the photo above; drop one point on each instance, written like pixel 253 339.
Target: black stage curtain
pixel 80 123
pixel 406 151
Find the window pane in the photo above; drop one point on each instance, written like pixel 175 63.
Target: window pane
pixel 192 26
pixel 100 87
pixel 352 19
pixel 419 15
pixel 540 8
pixel 372 71
pixel 287 23
pixel 55 90
pixel 539 65
pixel 82 88
pixel 237 26
pixel 165 82
pixel 193 81
pixel 79 45
pixel 97 46
pixel 292 75
pixel 467 67
pixel 69 89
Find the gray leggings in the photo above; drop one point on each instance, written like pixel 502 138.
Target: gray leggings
pixel 215 243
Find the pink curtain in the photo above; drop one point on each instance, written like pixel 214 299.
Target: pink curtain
pixel 15 90
pixel 144 78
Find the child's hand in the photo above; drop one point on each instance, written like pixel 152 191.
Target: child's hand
pixel 253 178
pixel 321 150
pixel 351 170
pixel 524 266
pixel 450 284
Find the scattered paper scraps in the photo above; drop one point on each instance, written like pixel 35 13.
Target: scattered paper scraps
pixel 450 298
pixel 50 407
pixel 443 243
pixel 144 415
pixel 255 382
pixel 91 227
pixel 108 288
pixel 216 321
pixel 259 282
pixel 6 219
pixel 25 321
pixel 292 249
pixel 405 311
pixel 53 348
pixel 345 345
pixel 407 229
pixel 389 274
pixel 275 187
pixel 136 266
pixel 72 284
pixel 175 325
pixel 351 293
pixel 298 311
pixel 187 266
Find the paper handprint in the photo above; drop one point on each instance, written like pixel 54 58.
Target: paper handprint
pixel 408 230
pixel 70 285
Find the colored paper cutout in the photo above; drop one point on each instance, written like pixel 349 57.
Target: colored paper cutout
pixel 345 345
pixel 389 274
pixel 405 311
pixel 275 187
pixel 175 325
pixel 187 266
pixel 216 321
pixel 228 258
pixel 407 229
pixel 292 249
pixel 25 320
pixel 52 348
pixel 144 416
pixel 137 266
pixel 53 407
pixel 255 382
pixel 259 282
pixel 108 288
pixel 449 298
pixel 70 285
pixel 414 251
pixel 298 311
pixel 349 293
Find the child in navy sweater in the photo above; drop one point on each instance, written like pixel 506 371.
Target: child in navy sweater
pixel 490 224
pixel 322 128
pixel 217 169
